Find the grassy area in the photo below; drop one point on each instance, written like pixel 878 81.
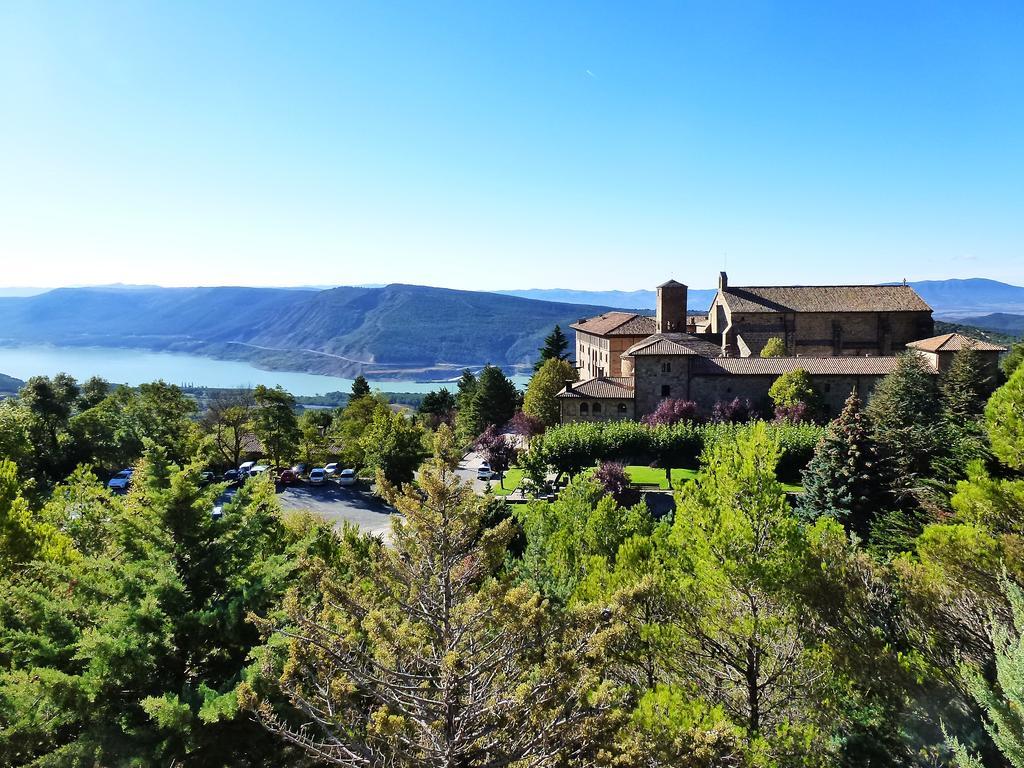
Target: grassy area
pixel 513 477
pixel 656 475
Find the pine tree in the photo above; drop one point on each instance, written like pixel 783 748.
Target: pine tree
pixel 556 347
pixel 966 386
pixel 842 479
pixel 427 659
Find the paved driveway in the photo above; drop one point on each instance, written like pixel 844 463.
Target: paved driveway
pixel 336 504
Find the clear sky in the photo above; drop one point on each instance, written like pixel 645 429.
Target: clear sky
pixel 510 145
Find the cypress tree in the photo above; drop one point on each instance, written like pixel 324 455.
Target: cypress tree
pixel 842 479
pixel 556 347
pixel 360 387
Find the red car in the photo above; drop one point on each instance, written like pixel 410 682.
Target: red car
pixel 286 477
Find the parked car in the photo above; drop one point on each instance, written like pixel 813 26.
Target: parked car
pixel 206 477
pixel 331 469
pixel 244 468
pixel 231 476
pixel 317 476
pixel 258 470
pixel 286 477
pixel 217 512
pixel 347 477
pixel 484 472
pixel 300 469
pixel 120 482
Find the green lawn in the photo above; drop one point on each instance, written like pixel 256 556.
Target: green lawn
pixel 656 475
pixel 513 477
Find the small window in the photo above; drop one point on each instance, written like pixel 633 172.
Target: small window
pixel 666 390
pixel 666 367
pixel 584 409
pixel 828 387
pixel 622 409
pixel 597 408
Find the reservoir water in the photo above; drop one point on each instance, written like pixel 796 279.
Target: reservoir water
pixel 135 366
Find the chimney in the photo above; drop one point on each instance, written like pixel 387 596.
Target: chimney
pixel 671 313
pixel 568 385
pixel 723 281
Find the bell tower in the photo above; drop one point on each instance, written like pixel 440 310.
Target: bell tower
pixel 671 313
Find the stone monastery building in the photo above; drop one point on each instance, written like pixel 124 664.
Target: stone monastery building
pixel 844 336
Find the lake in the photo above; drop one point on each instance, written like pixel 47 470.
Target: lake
pixel 135 366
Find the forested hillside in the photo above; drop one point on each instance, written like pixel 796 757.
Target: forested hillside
pixel 344 331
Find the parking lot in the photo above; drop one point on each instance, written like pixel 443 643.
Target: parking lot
pixel 336 504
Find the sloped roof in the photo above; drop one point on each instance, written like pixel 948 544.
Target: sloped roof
pixel 620 387
pixel 776 366
pixel 671 284
pixel 617 324
pixel 673 344
pixel 954 342
pixel 824 298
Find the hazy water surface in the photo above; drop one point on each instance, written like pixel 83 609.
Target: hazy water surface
pixel 133 366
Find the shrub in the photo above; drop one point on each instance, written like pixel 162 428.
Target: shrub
pixel 612 477
pixel 733 411
pixel 672 411
pixel 774 347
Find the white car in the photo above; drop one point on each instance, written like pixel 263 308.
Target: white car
pixel 244 468
pixel 258 470
pixel 347 477
pixel 120 482
pixel 484 472
pixel 317 476
pixel 331 469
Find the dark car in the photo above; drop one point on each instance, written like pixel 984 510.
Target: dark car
pixel 286 477
pixel 231 476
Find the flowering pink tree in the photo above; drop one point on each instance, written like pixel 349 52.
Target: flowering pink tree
pixel 671 411
pixel 498 451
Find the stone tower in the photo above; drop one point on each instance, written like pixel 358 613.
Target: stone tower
pixel 671 315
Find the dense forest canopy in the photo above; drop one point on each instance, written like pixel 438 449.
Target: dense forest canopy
pixel 840 594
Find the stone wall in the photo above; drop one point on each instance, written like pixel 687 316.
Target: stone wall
pixel 821 334
pixel 602 355
pixel 708 390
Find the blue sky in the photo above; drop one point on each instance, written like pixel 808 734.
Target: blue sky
pixel 510 145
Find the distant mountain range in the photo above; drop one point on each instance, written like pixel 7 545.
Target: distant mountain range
pixel 398 331
pixel 390 332
pixel 949 298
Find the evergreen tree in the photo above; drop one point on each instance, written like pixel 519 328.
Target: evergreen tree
pixel 360 387
pixel 490 399
pixel 426 659
pixel 842 480
pixel 1004 417
pixel 1001 700
pixel 966 386
pixel 556 347
pixel 1013 359
pixel 540 401
pixel 905 412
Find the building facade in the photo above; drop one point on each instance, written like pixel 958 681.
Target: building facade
pixel 845 337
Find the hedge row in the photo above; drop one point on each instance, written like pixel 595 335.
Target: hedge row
pixel 571 448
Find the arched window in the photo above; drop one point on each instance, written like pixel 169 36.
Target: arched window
pixel 622 410
pixel 597 408
pixel 584 409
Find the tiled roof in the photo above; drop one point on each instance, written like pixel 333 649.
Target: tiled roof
pixel 616 324
pixel 954 342
pixel 776 366
pixel 673 344
pixel 824 298
pixel 671 284
pixel 620 387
